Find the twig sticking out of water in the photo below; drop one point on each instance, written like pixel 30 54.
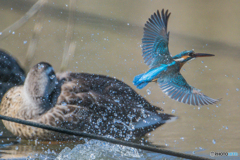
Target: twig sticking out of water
pixel 70 45
pixel 34 41
pixel 32 11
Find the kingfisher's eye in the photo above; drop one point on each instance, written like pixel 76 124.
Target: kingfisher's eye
pixel 191 54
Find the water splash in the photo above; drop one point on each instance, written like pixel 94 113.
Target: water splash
pixel 94 149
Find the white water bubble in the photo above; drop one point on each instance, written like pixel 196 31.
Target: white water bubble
pixel 148 91
pixel 214 141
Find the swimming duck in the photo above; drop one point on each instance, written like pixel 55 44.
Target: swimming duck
pixel 78 101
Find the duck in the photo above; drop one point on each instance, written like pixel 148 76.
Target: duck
pixel 90 103
pixel 11 74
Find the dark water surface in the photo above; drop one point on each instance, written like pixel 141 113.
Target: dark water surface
pixel 108 38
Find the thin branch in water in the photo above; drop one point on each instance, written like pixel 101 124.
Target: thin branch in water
pixel 70 46
pixel 34 41
pixel 32 11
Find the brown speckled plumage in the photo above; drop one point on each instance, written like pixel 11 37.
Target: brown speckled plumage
pixel 85 102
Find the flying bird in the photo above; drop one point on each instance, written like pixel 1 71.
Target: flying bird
pixel 165 69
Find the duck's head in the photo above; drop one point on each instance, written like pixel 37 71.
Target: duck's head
pixel 41 86
pixel 186 56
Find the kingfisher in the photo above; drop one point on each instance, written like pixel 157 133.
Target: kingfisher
pixel 165 69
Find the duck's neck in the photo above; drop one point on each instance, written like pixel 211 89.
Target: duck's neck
pixel 38 103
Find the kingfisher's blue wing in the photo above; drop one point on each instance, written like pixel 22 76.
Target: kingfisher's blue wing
pixel 177 88
pixel 155 40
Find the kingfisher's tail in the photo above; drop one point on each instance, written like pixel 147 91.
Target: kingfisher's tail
pixel 139 84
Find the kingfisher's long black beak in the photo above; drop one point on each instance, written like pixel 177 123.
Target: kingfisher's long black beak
pixel 202 55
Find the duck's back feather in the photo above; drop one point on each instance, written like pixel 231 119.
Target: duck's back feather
pixel 101 103
pixel 91 103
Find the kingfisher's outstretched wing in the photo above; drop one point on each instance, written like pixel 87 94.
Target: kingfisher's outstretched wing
pixel 177 88
pixel 155 40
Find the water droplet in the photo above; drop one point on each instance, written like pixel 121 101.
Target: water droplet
pixel 11 8
pixel 16 148
pixel 117 100
pixel 13 32
pixel 24 42
pixel 39 66
pixel 63 103
pixel 217 106
pixel 92 156
pixel 148 92
pixel 182 138
pixel 1 133
pixel 193 152
pixel 237 89
pixel 52 76
pixel 128 24
pixel 213 141
pixel 163 102
pixel 205 66
pixel 0 33
pixel 66 5
pixel 226 127
pixel 173 111
pixel 202 61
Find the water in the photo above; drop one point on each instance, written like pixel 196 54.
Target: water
pixel 108 38
pixel 94 149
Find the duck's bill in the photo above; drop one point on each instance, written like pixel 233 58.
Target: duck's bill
pixel 203 55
